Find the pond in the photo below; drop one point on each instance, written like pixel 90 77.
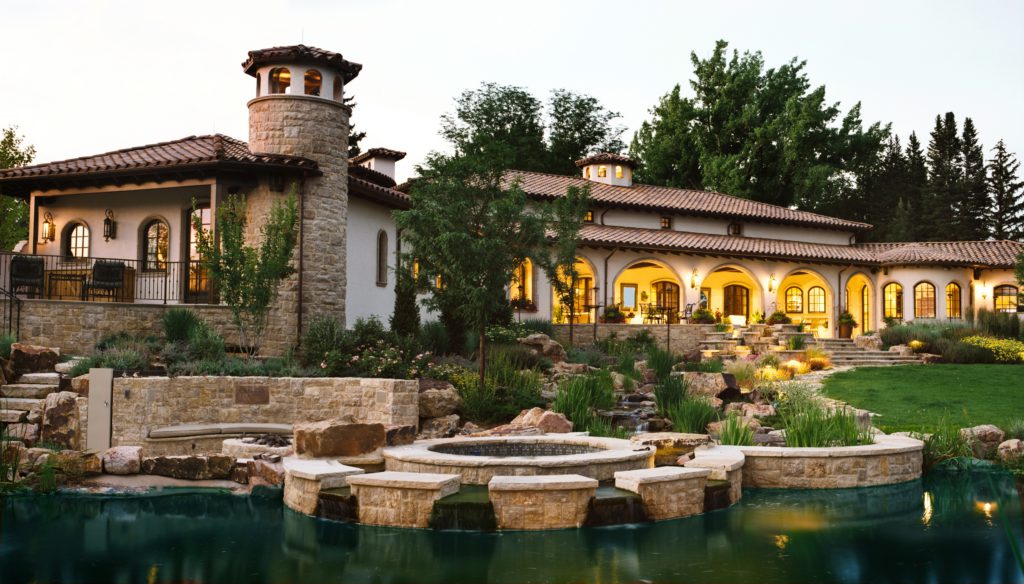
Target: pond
pixel 949 528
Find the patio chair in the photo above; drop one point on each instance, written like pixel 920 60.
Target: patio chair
pixel 107 280
pixel 27 272
pixel 688 312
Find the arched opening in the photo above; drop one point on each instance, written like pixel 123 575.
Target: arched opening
pixel 924 300
pixel 199 283
pixel 954 304
pixel 312 82
pixel 337 88
pixel 858 302
pixel 648 291
pixel 382 258
pixel 155 246
pixel 280 80
pixel 1005 298
pixel 582 296
pixel 737 301
pixel 76 241
pixel 808 301
pixel 892 301
pixel 520 290
pixel 727 291
pixel 259 79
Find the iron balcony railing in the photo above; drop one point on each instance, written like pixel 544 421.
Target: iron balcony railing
pixel 105 279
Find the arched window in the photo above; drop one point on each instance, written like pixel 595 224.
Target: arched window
pixel 521 287
pixel 382 258
pixel 892 300
pixel 1005 298
pixel 313 80
pixel 280 80
pixel 155 246
pixel 618 171
pixel 586 172
pixel 602 171
pixel 864 307
pixel 259 78
pixel 924 300
pixel 337 88
pixel 953 309
pixel 794 299
pixel 816 300
pixel 76 241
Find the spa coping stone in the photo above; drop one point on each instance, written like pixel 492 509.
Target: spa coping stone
pixel 541 483
pixel 631 480
pixel 330 474
pixel 446 483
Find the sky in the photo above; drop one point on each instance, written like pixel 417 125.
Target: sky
pixel 89 77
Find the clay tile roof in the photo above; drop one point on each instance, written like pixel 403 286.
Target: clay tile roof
pixel 684 201
pixel 361 187
pixel 608 158
pixel 378 178
pixel 385 153
pixel 998 253
pixel 301 54
pixel 186 152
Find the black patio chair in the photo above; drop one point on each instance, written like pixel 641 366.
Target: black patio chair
pixel 688 312
pixel 107 280
pixel 27 273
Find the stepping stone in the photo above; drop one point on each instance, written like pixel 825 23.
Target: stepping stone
pixel 12 416
pixel 28 390
pixel 40 378
pixel 20 403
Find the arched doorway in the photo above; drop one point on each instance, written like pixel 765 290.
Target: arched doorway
pixel 730 292
pixel 806 299
pixel 859 301
pixel 584 297
pixel 648 291
pixel 736 300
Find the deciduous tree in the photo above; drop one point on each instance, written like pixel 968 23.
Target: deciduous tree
pixel 13 212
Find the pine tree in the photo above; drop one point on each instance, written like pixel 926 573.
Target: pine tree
pixel 405 319
pixel 973 203
pixel 1007 193
pixel 945 178
pixel 916 192
pixel 887 184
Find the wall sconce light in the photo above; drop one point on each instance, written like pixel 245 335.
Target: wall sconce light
pixel 48 229
pixel 109 226
pixel 693 279
pixel 771 283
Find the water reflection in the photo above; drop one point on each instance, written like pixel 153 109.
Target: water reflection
pixel 931 531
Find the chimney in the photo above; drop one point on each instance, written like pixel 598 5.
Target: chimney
pixel 381 160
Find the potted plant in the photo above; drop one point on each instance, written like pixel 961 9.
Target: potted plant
pixel 846 325
pixel 702 316
pixel 613 315
pixel 778 317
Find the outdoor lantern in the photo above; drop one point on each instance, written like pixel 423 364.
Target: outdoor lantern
pixel 771 283
pixel 48 229
pixel 693 279
pixel 109 226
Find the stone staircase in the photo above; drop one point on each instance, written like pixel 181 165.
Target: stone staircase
pixel 843 353
pixel 18 399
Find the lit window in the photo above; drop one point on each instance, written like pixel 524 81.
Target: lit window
pixel 586 172
pixel 953 309
pixel 924 300
pixel 794 299
pixel 521 287
pixel 588 217
pixel 1005 298
pixel 382 258
pixel 337 88
pixel 816 300
pixel 666 223
pixel 76 241
pixel 892 299
pixel 312 82
pixel 618 171
pixel 156 242
pixel 602 171
pixel 280 80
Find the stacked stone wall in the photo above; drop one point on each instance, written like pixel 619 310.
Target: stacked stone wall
pixel 680 338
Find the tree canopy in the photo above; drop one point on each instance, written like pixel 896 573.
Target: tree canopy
pixel 14 212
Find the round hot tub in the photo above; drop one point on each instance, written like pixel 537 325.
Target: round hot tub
pixel 479 459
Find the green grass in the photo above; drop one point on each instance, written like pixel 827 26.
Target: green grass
pixel 917 398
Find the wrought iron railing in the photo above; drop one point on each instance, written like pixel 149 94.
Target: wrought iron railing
pixel 105 279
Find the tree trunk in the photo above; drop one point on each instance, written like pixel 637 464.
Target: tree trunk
pixel 482 356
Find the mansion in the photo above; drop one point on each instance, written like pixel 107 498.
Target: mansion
pixel 112 240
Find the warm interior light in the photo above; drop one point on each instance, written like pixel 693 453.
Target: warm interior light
pixel 771 283
pixel 618 171
pixel 693 279
pixel 48 230
pixel 602 171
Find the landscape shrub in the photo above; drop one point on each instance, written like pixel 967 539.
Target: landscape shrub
pixel 743 370
pixel 587 355
pixel 736 433
pixel 817 427
pixel 1003 350
pixel 323 334
pixel 434 337
pixel 999 324
pixel 538 325
pixel 518 356
pixel 706 366
pixel 179 323
pixel 204 343
pixel 661 362
pixel 693 415
pixel 5 345
pixel 945 443
pixel 702 316
pixel 768 360
pixel 579 397
pixel 640 342
pixel 669 393
pixel 778 317
pixel 798 343
pixel 521 383
pixel 964 353
pixel 1015 429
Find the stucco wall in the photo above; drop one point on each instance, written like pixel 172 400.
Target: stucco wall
pixel 145 403
pixel 652 220
pixel 365 298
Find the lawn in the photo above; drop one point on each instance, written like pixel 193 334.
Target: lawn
pixel 915 397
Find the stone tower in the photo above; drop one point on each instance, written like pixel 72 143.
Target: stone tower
pixel 298 111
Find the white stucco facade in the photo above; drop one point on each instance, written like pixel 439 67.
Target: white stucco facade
pixel 366 296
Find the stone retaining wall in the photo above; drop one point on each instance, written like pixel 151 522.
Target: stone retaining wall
pixel 891 460
pixel 141 404
pixel 680 338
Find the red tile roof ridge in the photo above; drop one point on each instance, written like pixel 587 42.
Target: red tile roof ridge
pixel 125 150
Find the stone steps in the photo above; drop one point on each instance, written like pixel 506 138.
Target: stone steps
pixel 27 390
pixel 39 379
pixel 20 403
pixel 12 416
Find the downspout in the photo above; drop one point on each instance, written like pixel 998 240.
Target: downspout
pixel 302 206
pixel 604 296
pixel 839 302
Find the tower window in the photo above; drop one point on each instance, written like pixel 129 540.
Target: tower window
pixel 280 80
pixel 618 171
pixel 586 172
pixel 259 79
pixel 313 79
pixel 602 171
pixel 155 241
pixel 76 241
pixel 337 88
pixel 666 223
pixel 382 258
pixel 588 217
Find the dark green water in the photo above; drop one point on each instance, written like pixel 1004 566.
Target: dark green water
pixel 935 531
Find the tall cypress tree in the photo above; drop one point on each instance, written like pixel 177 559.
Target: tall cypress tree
pixel 1007 192
pixel 973 204
pixel 886 189
pixel 945 178
pixel 916 193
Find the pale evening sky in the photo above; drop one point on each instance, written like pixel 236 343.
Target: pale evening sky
pixel 88 77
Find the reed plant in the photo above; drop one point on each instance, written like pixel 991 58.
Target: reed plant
pixel 736 433
pixel 944 444
pixel 693 415
pixel 817 427
pixel 669 393
pixel 661 362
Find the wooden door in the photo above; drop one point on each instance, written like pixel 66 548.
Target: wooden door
pixel 737 301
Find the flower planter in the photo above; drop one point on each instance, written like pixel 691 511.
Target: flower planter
pixel 845 331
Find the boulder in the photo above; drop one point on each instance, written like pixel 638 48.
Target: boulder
pixel 76 464
pixel 12 452
pixel 929 358
pixel 399 435
pixel 439 402
pixel 33 358
pixel 709 384
pixel 240 473
pixel 443 427
pixel 191 468
pixel 123 460
pixel 565 368
pixel 618 381
pixel 80 384
pixel 60 420
pixel 715 428
pixel 869 342
pixel 757 410
pixel 670 446
pixel 35 415
pixel 984 439
pixel 902 350
pixel 546 421
pixel 27 433
pixel 336 438
pixel 470 428
pixel 545 346
pixel 1011 451
pixel 734 408
pixel 271 472
pixel 7 372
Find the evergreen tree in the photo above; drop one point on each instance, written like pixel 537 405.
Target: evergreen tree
pixel 354 137
pixel 405 319
pixel 1007 192
pixel 885 186
pixel 945 180
pixel 916 192
pixel 973 204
